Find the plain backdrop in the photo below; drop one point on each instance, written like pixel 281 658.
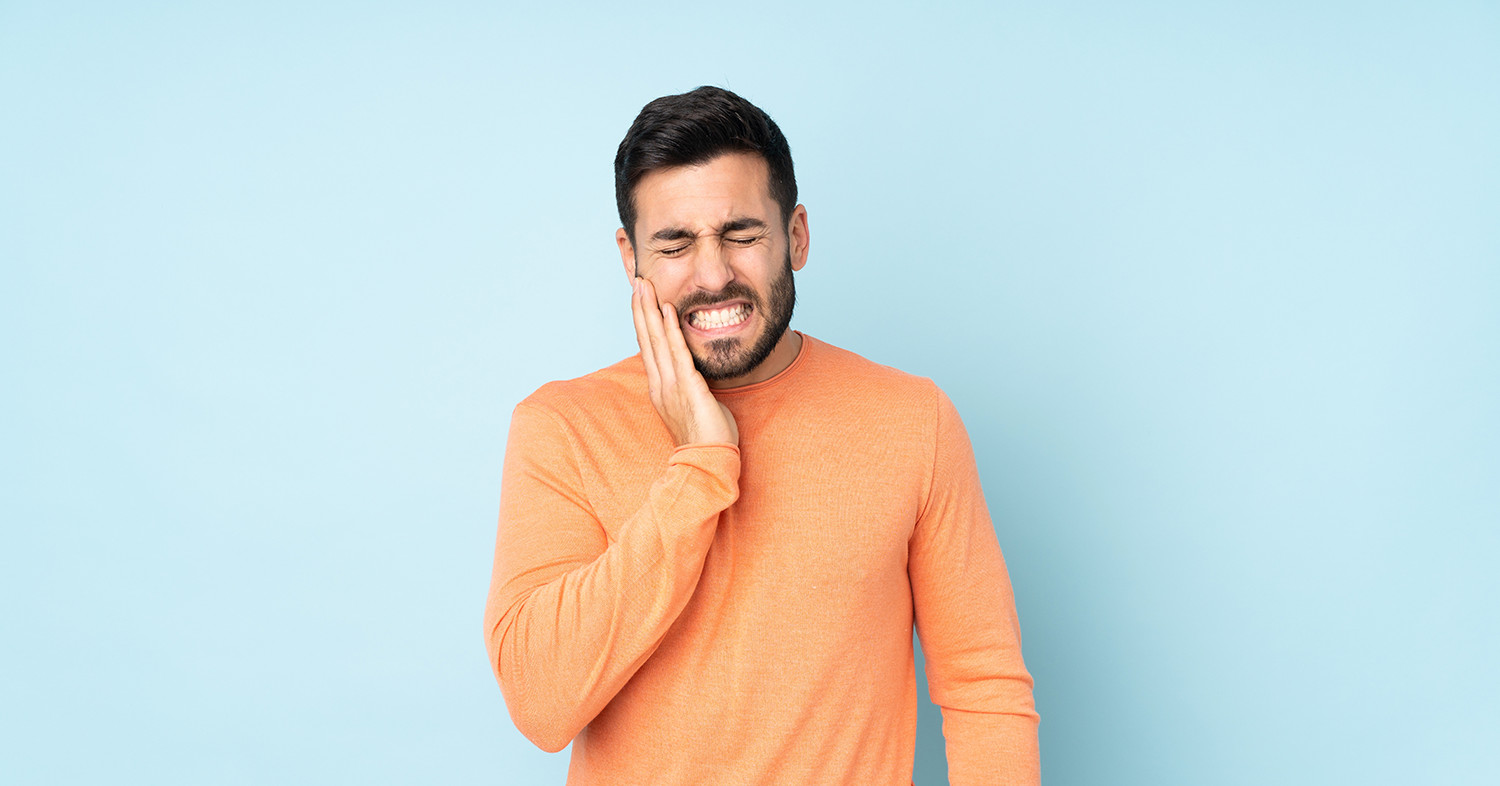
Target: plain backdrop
pixel 1216 287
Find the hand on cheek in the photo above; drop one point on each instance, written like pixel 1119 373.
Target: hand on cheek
pixel 678 391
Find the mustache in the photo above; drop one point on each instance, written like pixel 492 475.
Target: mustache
pixel 731 291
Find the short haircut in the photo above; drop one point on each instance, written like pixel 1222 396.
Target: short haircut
pixel 694 128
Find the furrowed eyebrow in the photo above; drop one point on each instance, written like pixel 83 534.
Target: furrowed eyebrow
pixel 673 233
pixel 670 234
pixel 741 224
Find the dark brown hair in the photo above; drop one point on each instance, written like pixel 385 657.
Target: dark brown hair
pixel 695 127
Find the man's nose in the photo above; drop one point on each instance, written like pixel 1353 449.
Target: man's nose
pixel 711 271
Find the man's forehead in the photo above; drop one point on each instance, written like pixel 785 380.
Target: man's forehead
pixel 705 197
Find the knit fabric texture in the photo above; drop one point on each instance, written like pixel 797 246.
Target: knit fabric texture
pixel 721 614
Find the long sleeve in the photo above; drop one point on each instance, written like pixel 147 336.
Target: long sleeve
pixel 966 618
pixel 573 613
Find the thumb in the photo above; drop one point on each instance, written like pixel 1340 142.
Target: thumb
pixel 734 428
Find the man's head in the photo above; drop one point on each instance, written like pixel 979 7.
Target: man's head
pixel 693 128
pixel 707 200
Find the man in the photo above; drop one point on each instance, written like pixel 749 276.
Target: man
pixel 711 554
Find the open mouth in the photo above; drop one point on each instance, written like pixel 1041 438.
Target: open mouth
pixel 720 318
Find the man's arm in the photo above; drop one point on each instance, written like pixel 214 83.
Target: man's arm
pixel 966 618
pixel 571 615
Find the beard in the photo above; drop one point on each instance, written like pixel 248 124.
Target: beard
pixel 727 358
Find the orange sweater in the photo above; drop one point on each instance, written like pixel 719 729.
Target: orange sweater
pixel 720 615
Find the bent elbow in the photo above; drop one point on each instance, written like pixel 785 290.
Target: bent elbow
pixel 544 713
pixel 543 716
pixel 550 728
pixel 549 741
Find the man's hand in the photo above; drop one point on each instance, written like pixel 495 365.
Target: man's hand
pixel 677 390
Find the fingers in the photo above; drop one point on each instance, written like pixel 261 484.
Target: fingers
pixel 676 342
pixel 672 349
pixel 638 310
pixel 679 393
pixel 656 334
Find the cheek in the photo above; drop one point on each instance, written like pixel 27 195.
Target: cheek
pixel 671 285
pixel 758 261
pixel 758 268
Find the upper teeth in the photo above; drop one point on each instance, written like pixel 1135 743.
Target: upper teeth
pixel 719 317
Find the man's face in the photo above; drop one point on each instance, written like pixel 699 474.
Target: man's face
pixel 710 240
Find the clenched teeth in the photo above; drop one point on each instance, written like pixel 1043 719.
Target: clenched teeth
pixel 720 317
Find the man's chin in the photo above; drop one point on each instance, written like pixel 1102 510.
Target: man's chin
pixel 729 359
pixel 719 370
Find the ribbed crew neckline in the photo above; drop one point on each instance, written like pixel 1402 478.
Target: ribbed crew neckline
pixel 780 375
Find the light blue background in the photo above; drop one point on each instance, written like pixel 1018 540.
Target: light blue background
pixel 1216 287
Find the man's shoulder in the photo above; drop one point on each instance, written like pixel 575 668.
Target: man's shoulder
pixel 858 375
pixel 622 384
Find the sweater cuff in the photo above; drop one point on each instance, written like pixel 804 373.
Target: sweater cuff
pixel 721 460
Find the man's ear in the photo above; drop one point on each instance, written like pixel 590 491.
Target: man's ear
pixel 798 237
pixel 627 254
